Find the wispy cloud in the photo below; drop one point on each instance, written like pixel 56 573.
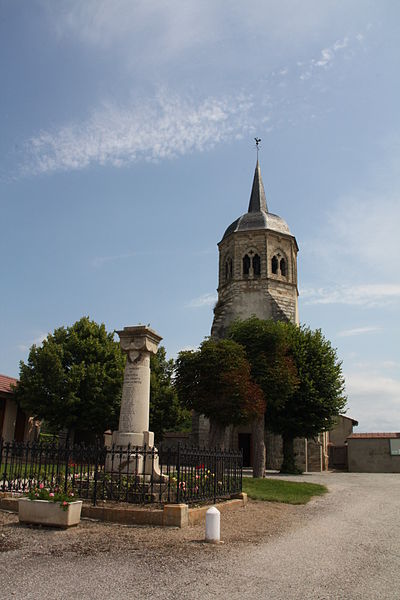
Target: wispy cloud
pixel 37 340
pixel 374 399
pixel 99 261
pixel 361 228
pixel 164 128
pixel 368 295
pixel 325 60
pixel 169 123
pixel 203 300
pixel 358 331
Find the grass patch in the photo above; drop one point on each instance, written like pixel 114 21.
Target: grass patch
pixel 278 490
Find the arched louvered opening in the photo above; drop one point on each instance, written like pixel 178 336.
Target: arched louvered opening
pixel 283 267
pixel 246 265
pixel 256 265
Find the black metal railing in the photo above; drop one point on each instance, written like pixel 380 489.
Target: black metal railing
pixel 138 475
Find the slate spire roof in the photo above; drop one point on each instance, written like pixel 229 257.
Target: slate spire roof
pixel 257 216
pixel 258 202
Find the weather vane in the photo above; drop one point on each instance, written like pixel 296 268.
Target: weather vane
pixel 258 141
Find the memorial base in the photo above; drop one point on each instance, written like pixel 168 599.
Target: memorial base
pixel 134 454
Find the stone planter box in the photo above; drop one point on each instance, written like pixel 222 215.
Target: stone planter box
pixel 43 512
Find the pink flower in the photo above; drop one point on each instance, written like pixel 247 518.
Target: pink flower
pixel 65 503
pixel 41 485
pixel 51 495
pixel 71 493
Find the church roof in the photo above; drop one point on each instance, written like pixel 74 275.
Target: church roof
pixel 257 216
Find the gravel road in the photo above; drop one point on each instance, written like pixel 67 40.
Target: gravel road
pixel 344 545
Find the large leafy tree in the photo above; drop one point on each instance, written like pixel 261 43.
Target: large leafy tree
pixel 318 399
pixel 273 368
pixel 216 382
pixel 166 412
pixel 74 380
pixel 300 375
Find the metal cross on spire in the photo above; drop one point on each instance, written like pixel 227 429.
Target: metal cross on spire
pixel 257 141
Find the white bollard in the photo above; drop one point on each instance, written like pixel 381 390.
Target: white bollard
pixel 212 525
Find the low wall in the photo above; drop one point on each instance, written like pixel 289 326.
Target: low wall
pixel 371 455
pixel 171 515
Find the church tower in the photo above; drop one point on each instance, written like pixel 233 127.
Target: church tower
pixel 257 267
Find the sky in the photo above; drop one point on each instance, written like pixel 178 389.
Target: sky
pixel 127 148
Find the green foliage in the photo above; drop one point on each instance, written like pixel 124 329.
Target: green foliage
pixel 216 382
pixel 319 397
pixel 166 413
pixel 51 494
pixel 300 375
pixel 268 353
pixel 274 490
pixel 74 379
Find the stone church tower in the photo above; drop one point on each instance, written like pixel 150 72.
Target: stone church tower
pixel 258 276
pixel 257 266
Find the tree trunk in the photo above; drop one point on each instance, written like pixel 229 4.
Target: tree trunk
pixel 257 430
pixel 289 463
pixel 217 436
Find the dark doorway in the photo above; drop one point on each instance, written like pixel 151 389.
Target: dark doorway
pixel 19 426
pixel 244 443
pixel 338 458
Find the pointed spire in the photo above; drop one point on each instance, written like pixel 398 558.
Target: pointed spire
pixel 257 202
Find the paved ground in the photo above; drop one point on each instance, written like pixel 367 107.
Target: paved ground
pixel 345 545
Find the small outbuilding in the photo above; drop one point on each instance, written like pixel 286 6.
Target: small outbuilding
pixel 374 452
pixel 15 425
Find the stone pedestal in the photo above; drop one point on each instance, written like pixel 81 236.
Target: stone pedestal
pixel 138 343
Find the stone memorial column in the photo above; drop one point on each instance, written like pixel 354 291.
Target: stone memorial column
pixel 138 343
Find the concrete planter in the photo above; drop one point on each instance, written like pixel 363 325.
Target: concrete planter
pixel 43 512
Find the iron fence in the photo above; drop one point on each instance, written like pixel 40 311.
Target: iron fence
pixel 138 475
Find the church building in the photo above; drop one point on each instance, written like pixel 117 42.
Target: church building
pixel 258 276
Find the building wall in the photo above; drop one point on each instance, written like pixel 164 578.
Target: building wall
pixel 310 454
pixel 341 431
pixel 372 455
pixel 10 418
pixel 29 427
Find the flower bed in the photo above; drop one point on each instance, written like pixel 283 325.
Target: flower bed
pixel 49 506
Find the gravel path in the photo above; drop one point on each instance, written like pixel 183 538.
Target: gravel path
pixel 345 545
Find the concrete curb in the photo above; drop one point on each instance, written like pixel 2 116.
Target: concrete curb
pixel 172 515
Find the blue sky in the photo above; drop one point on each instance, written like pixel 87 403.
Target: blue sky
pixel 127 148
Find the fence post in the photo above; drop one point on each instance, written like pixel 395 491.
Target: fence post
pixel 96 466
pixel 215 476
pixel 66 469
pixel 178 472
pixel 7 447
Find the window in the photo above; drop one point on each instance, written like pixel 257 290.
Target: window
pixel 283 267
pixel 395 447
pixel 274 265
pixel 228 269
pixel 246 265
pixel 256 265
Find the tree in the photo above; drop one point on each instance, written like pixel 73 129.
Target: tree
pixel 300 375
pixel 166 413
pixel 318 399
pixel 272 368
pixel 216 382
pixel 74 380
